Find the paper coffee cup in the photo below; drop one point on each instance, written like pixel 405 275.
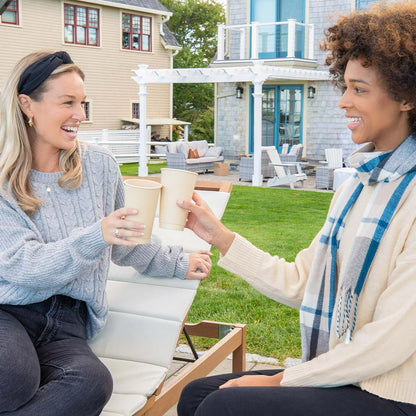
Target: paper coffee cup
pixel 177 185
pixel 142 195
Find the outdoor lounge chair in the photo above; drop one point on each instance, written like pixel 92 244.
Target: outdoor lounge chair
pixel 294 155
pixel 325 174
pixel 246 169
pixel 145 320
pixel 283 175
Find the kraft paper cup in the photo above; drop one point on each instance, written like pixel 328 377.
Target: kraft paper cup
pixel 177 185
pixel 142 195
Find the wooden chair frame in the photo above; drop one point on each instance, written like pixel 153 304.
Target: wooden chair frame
pixel 234 342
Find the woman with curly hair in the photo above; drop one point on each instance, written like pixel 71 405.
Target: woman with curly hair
pixel 62 219
pixel 355 284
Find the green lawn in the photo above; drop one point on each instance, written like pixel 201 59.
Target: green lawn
pixel 131 169
pixel 282 222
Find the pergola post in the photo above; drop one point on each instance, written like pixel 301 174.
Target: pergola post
pixel 257 179
pixel 143 171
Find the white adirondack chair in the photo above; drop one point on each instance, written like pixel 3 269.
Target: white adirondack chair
pixel 325 174
pixel 283 175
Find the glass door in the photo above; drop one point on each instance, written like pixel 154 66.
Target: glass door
pixel 282 116
pixel 290 115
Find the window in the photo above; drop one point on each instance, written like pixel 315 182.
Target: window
pixel 11 14
pixel 135 110
pixel 137 31
pixel 82 25
pixel 87 110
pixel 363 4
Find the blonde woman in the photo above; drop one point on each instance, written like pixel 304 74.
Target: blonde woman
pixel 61 221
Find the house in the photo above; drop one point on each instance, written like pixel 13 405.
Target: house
pixel 107 39
pixel 283 34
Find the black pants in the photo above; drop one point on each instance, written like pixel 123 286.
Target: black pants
pixel 46 366
pixel 203 398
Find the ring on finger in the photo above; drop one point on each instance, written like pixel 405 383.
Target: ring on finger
pixel 116 232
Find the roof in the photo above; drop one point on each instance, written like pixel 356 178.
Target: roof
pixel 151 5
pixel 169 38
pixel 147 4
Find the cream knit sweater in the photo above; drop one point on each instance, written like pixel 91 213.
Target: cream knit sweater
pixel 381 358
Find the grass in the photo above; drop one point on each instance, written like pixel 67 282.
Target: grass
pixel 131 169
pixel 281 222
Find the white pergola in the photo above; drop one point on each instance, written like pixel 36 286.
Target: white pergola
pixel 256 74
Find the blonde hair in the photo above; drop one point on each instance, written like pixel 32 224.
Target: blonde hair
pixel 15 150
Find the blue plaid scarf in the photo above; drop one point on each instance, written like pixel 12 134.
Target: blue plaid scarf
pixel 390 173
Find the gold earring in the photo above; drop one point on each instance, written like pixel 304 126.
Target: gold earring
pixel 30 123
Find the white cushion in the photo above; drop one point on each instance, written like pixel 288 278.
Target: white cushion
pixel 156 300
pixel 201 160
pixel 159 149
pixel 123 335
pixel 183 147
pixel 130 377
pixel 128 274
pixel 172 147
pixel 214 152
pixel 201 146
pixel 124 404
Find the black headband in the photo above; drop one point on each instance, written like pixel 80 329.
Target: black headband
pixel 36 73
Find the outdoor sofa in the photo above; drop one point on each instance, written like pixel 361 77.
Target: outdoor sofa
pixel 194 156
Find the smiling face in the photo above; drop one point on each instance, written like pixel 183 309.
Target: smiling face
pixel 373 116
pixel 56 116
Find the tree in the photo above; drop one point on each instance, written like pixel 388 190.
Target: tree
pixel 194 24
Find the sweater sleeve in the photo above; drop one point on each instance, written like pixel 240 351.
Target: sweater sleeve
pixel 271 275
pixel 27 261
pixel 379 346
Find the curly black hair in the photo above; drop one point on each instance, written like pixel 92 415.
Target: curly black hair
pixel 383 37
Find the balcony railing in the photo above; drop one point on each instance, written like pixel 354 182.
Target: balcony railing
pixel 289 39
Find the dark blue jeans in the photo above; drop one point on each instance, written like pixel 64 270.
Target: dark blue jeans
pixel 46 366
pixel 203 398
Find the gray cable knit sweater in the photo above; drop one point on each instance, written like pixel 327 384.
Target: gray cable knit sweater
pixel 61 251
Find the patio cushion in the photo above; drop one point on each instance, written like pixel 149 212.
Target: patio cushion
pixel 201 160
pixel 200 145
pixel 214 151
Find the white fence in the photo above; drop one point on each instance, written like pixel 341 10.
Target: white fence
pixel 123 144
